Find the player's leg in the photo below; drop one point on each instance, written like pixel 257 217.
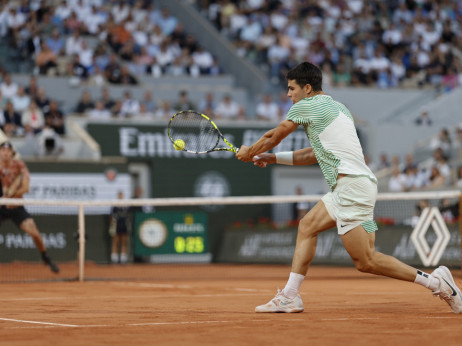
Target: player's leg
pixel 28 225
pixel 123 248
pixel 115 248
pixel 361 247
pixel 314 222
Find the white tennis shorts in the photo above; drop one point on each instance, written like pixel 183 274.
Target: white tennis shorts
pixel 352 203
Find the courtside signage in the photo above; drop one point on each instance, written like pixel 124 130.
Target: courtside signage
pixel 430 216
pixel 75 187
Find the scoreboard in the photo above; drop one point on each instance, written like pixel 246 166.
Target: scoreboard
pixel 172 236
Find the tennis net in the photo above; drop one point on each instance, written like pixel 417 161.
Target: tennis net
pixel 172 236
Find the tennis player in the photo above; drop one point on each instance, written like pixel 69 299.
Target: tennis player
pixel 10 170
pixel 349 205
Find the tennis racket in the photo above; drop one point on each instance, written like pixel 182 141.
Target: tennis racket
pixel 198 132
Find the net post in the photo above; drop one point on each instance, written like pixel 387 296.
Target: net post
pixel 81 243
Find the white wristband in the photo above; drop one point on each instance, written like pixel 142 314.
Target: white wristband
pixel 285 158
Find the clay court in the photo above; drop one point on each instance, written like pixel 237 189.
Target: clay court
pixel 214 304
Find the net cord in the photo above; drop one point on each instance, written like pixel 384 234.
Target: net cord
pixel 181 201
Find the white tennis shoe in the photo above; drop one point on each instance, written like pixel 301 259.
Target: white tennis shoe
pixel 281 303
pixel 448 290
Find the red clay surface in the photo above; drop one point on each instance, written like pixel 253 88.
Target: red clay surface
pixel 214 305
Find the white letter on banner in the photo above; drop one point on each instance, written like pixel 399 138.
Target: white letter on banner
pixel 127 136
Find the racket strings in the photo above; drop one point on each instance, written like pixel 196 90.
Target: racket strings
pixel 198 133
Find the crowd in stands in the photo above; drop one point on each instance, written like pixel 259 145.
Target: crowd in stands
pixel 360 43
pixel 28 112
pixel 103 40
pixel 433 173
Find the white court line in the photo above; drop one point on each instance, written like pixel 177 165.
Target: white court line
pixel 36 322
pixel 131 284
pixel 137 296
pixel 350 319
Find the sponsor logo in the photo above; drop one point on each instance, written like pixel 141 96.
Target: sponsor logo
pixel 454 293
pixel 430 217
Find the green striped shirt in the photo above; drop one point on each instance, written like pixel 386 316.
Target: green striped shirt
pixel 330 129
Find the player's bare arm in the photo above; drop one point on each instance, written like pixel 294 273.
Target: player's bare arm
pixel 302 157
pixel 268 141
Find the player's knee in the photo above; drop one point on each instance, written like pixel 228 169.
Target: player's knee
pixel 364 265
pixel 306 228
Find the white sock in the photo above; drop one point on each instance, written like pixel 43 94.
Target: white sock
pixel 293 285
pixel 114 257
pixel 123 258
pixel 427 280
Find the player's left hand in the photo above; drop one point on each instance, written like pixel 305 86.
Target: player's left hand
pixel 261 160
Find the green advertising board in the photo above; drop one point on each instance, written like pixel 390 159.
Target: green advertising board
pixel 172 236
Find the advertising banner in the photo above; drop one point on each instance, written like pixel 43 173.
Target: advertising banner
pixel 59 234
pixel 75 187
pixel 277 246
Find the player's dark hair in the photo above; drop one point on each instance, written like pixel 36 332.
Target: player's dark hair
pixel 306 73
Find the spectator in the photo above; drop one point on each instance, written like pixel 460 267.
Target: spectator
pixel 76 70
pixel 94 20
pixel 85 55
pixel 63 10
pixel 397 182
pixel 32 88
pixel 148 101
pixel 8 87
pixel 42 100
pixel 108 102
pixel 229 109
pixel 54 118
pixel 46 60
pixel 15 22
pixel 12 125
pixel 73 43
pixel 207 105
pixel 85 103
pixel 99 112
pixel 97 77
pixel 21 100
pixel 423 119
pixel 56 43
pixel 50 144
pixel 130 107
pixel 203 59
pixel 165 111
pixel 183 103
pixel 167 22
pixel 440 161
pixel 32 119
pixel 443 141
pixel 267 109
pixel 384 162
pixel 436 179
